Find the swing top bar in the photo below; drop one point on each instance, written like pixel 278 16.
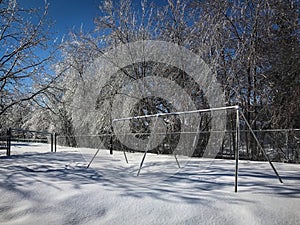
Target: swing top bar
pixel 178 113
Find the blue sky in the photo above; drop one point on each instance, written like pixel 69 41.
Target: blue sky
pixel 68 14
pixel 72 14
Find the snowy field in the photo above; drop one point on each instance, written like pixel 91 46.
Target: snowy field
pixel 40 187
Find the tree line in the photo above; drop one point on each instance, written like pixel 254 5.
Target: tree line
pixel 252 46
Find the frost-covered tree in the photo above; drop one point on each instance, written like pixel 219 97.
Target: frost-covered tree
pixel 61 100
pixel 254 48
pixel 24 55
pixel 244 42
pixel 121 23
pixel 280 51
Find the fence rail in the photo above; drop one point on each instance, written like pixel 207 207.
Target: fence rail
pixel 19 135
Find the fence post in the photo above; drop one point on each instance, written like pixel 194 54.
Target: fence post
pixel 8 140
pixel 236 155
pixel 51 142
pixel 111 143
pixel 287 145
pixel 55 141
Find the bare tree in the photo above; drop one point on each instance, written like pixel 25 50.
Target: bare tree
pixel 24 54
pixel 254 48
pixel 280 53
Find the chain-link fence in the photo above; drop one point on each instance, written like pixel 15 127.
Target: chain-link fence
pixel 279 145
pixel 4 143
pixel 15 137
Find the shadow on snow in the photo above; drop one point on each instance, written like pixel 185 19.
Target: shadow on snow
pixel 19 172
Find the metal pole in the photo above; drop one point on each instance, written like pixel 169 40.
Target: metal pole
pixel 147 147
pixel 287 144
pixel 177 161
pixel 55 141
pixel 125 156
pixel 111 143
pixel 93 158
pixel 142 162
pixel 259 145
pixel 177 113
pixel 237 134
pixel 51 142
pixel 8 134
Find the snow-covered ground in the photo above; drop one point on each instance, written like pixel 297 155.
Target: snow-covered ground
pixel 40 187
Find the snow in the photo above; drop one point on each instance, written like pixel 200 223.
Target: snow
pixel 40 187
